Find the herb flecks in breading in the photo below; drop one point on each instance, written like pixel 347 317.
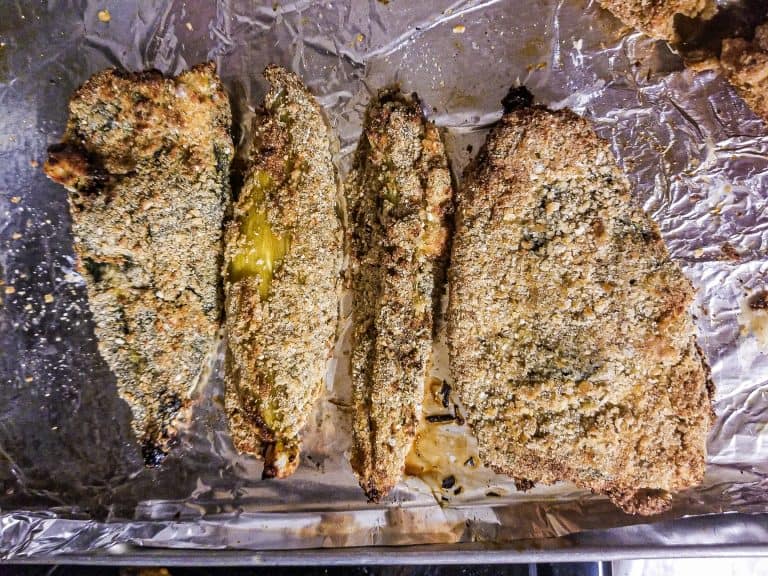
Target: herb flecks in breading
pixel 399 199
pixel 146 162
pixel 571 345
pixel 282 261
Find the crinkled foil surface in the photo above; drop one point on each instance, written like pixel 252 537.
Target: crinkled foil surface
pixel 71 476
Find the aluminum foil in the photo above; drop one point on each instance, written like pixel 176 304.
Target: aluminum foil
pixel 71 477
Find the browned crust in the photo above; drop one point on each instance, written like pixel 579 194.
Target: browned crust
pixel 400 200
pixel 745 64
pixel 571 345
pixel 146 161
pixel 278 346
pixel 656 18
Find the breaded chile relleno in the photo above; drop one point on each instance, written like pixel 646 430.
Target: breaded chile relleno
pixel 571 343
pixel 146 162
pixel 282 261
pixel 399 198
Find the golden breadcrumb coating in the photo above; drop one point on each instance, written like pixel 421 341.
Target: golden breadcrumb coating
pixel 399 200
pixel 656 17
pixel 146 160
pixel 571 345
pixel 282 263
pixel 745 64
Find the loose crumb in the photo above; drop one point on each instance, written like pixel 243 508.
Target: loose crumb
pixel 104 16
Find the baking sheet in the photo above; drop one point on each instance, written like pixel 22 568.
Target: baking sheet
pixel 71 477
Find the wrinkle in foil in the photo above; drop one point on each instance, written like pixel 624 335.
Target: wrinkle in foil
pixel 71 479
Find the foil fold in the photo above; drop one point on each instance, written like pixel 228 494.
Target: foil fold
pixel 71 477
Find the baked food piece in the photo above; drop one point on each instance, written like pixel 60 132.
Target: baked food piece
pixel 745 64
pixel 571 345
pixel 146 162
pixel 656 17
pixel 282 262
pixel 399 199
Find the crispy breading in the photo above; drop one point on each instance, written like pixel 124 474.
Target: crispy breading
pixel 146 160
pixel 399 200
pixel 656 17
pixel 282 263
pixel 745 64
pixel 571 343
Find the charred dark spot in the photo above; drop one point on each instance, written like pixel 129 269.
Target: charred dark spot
pixel 440 418
pixel 77 169
pixel 457 491
pixel 270 470
pixel 449 482
pixel 372 492
pixel 649 236
pixel 268 473
pixel 518 97
pixel 470 462
pixel 493 494
pixel 524 485
pixel 459 417
pixel 95 269
pixel 758 300
pixel 445 393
